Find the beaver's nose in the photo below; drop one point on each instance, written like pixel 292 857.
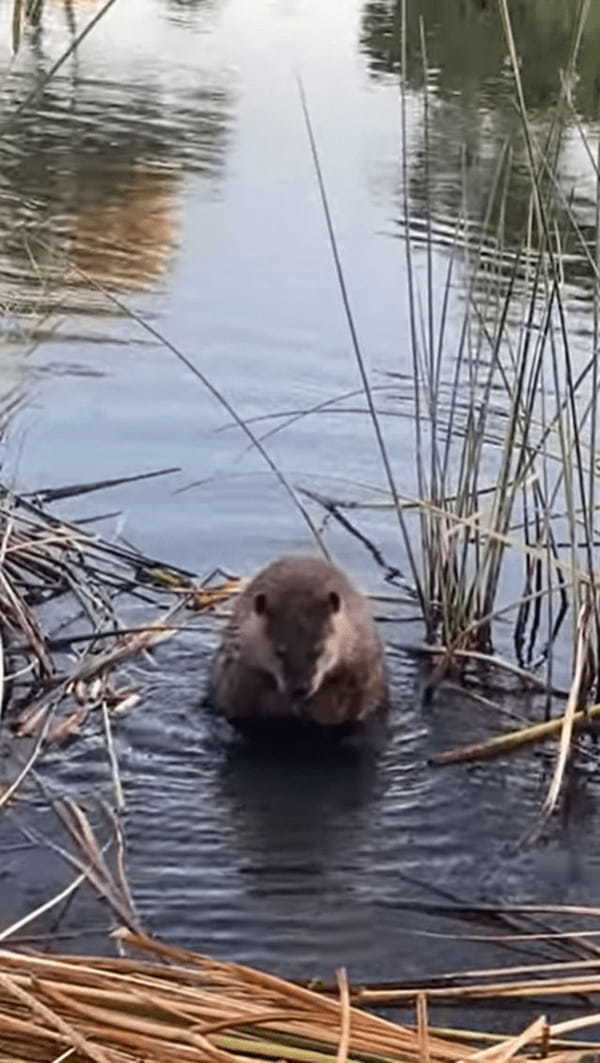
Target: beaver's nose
pixel 300 691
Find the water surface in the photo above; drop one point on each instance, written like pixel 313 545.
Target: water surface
pixel 166 169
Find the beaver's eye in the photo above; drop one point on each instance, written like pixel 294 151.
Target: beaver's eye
pixel 280 651
pixel 260 604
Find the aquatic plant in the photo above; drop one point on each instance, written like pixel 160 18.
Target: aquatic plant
pixel 506 424
pixel 505 415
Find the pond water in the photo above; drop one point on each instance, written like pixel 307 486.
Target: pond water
pixel 166 168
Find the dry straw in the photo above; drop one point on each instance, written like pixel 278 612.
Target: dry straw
pixel 51 681
pixel 168 1005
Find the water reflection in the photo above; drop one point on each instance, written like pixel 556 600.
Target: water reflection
pixel 270 859
pixel 298 860
pixel 188 12
pixel 326 812
pixel 93 169
pixel 472 114
pixel 466 48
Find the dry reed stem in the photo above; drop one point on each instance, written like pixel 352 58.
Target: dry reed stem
pixel 121 874
pixel 572 572
pixel 117 1010
pixel 423 1028
pixel 506 743
pixel 580 1023
pixel 93 864
pixel 112 756
pixel 24 619
pixel 158 1030
pixel 549 987
pixel 62 895
pixel 43 558
pixel 98 665
pixel 529 678
pixel 6 796
pixel 571 709
pixel 208 597
pixel 68 1032
pixel 130 645
pixel 503 1052
pixel 345 1016
pixel 509 972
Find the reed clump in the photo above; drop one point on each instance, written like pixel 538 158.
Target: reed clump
pixel 162 1004
pixel 506 424
pixel 73 608
pixel 498 526
pixel 505 405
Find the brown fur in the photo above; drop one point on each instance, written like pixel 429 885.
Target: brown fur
pixel 301 644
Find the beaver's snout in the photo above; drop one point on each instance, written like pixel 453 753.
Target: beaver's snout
pixel 301 691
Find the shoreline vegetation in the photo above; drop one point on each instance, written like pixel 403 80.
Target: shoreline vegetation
pixel 159 1003
pixel 503 487
pixel 56 576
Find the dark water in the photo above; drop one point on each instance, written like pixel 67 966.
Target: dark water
pixel 167 166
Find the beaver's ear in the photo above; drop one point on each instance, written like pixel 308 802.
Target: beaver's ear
pixel 260 604
pixel 334 601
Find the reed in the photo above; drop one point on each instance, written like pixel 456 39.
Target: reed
pixel 505 413
pixel 54 676
pixel 515 344
pixel 538 435
pixel 161 1003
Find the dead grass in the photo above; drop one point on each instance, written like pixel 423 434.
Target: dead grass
pixel 64 591
pixel 163 1004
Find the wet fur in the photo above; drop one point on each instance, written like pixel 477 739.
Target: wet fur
pixel 301 645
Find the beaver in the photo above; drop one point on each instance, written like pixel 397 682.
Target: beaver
pixel 301 645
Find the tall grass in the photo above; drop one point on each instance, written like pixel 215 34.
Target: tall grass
pixel 537 511
pixel 505 417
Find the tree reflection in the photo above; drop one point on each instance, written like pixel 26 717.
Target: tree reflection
pixel 92 169
pixel 472 113
pixel 467 50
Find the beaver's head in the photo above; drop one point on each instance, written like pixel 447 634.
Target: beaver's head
pixel 301 627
